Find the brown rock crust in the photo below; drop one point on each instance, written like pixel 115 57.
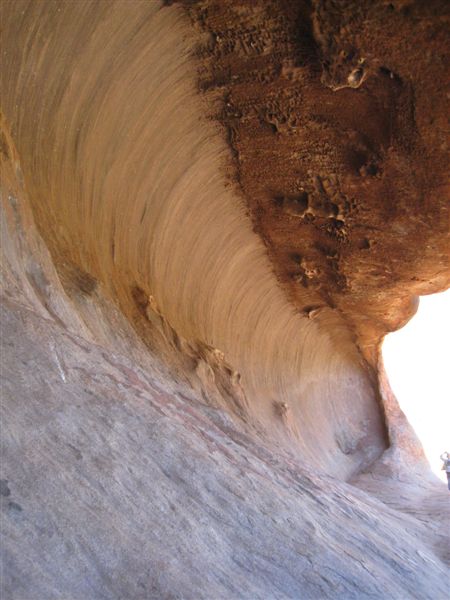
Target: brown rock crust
pixel 336 113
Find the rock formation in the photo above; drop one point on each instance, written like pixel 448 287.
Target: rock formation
pixel 212 213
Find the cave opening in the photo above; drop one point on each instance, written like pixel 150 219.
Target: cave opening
pixel 417 364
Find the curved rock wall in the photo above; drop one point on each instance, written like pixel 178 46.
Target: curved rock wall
pixel 127 181
pixel 180 413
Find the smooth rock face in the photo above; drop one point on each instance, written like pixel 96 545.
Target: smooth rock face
pixel 117 486
pixel 176 423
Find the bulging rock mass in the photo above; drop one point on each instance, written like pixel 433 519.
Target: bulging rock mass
pixel 213 211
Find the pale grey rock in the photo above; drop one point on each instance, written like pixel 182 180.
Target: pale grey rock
pixel 114 487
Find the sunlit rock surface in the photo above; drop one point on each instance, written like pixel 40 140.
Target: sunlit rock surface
pixel 178 419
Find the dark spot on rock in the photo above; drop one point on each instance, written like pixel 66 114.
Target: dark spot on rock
pixel 4 488
pixel 4 146
pixel 339 280
pixel 77 280
pixel 385 72
pixel 348 54
pixel 140 298
pixel 77 453
pixel 328 251
pixel 85 282
pixel 272 127
pixel 278 200
pixel 14 507
pixel 308 308
pixel 364 244
pixel 338 223
pixel 370 169
pixel 334 209
pixel 358 159
pixel 37 278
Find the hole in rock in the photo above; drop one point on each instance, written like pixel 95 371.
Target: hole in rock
pixel 417 363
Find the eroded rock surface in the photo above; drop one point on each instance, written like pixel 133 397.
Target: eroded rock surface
pixel 336 114
pixel 207 228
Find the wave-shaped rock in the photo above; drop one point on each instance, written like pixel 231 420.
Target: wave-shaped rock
pixel 202 248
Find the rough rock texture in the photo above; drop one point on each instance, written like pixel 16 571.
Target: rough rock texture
pixel 347 187
pixel 193 402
